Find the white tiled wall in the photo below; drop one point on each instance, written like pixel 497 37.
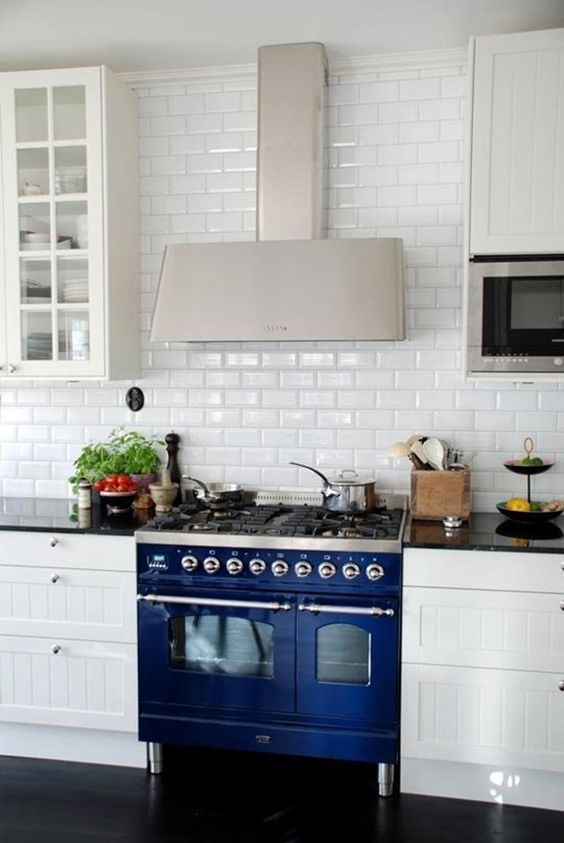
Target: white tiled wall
pixel 243 410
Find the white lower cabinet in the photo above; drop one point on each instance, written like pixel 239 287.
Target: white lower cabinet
pixel 483 676
pixel 68 647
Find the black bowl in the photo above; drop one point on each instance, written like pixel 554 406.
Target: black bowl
pixel 518 468
pixel 528 517
pixel 118 503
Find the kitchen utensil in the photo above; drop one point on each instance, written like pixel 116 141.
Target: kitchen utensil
pixel 346 494
pixel 163 496
pixel 216 493
pixel 417 449
pixel 435 453
pixel 402 449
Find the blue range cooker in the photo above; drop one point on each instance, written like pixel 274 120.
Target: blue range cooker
pixel 274 628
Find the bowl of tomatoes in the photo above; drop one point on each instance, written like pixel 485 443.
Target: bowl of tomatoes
pixel 117 492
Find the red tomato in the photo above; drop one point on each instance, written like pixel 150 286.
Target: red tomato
pixel 112 478
pixel 99 485
pixel 122 478
pixel 110 487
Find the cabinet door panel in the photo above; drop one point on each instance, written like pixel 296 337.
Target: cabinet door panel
pixel 96 606
pixel 483 629
pixel 517 190
pixel 483 716
pixel 84 684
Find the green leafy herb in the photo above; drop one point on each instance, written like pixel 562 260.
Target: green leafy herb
pixel 124 452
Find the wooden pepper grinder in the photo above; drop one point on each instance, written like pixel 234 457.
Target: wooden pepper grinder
pixel 172 440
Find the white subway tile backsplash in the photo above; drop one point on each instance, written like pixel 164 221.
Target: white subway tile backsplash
pixel 394 168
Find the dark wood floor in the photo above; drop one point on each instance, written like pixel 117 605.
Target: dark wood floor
pixel 223 798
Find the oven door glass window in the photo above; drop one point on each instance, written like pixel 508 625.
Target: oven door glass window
pixel 220 644
pixel 343 654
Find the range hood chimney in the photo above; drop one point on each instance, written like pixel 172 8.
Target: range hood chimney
pixel 290 284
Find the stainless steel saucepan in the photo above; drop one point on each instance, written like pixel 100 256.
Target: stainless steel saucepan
pixel 216 493
pixel 346 494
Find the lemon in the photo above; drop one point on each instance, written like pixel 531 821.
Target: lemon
pixel 518 504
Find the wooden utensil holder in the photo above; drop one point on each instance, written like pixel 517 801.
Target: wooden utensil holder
pixel 436 494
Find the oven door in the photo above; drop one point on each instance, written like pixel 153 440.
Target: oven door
pixel 347 658
pixel 217 649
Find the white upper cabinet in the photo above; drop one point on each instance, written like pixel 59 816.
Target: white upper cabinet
pixel 69 182
pixel 517 159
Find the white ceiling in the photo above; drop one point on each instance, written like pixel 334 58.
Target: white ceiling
pixel 133 35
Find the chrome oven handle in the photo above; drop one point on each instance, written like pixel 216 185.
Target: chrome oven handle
pixel 319 608
pixel 275 606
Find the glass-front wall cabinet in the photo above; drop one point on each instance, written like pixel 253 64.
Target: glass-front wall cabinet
pixel 52 174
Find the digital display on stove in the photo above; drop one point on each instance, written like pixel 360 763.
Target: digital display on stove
pixel 157 561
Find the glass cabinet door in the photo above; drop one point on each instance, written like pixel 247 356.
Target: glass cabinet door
pixel 53 310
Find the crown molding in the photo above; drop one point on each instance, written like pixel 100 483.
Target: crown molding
pixel 377 63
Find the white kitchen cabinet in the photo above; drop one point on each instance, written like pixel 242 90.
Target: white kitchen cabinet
pixel 69 188
pixel 482 675
pixel 517 144
pixel 68 646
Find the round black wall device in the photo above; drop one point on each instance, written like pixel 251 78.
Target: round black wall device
pixel 134 398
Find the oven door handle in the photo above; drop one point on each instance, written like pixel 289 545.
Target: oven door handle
pixel 274 606
pixel 319 608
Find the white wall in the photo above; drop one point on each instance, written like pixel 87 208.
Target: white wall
pixel 243 410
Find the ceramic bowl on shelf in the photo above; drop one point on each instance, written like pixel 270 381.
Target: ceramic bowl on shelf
pixel 528 516
pixel 118 503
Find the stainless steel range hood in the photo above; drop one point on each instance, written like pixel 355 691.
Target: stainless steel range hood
pixel 290 284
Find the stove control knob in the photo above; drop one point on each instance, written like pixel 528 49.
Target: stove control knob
pixel 280 568
pixel 351 570
pixel 234 566
pixel 327 570
pixel 303 569
pixel 374 572
pixel 211 565
pixel 189 563
pixel 257 566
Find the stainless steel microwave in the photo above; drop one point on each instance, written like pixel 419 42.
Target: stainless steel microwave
pixel 515 315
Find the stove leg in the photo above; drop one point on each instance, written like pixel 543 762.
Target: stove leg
pixel 155 758
pixel 385 779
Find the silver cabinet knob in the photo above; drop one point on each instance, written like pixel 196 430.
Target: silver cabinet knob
pixel 351 570
pixel 55 578
pixel 11 368
pixel 374 572
pixel 280 568
pixel 56 648
pixel 562 605
pixel 303 569
pixel 53 541
pixel 561 685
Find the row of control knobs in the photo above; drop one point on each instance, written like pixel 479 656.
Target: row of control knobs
pixel 280 568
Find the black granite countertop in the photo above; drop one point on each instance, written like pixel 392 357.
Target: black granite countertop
pixel 49 514
pixel 486 531
pixel 483 531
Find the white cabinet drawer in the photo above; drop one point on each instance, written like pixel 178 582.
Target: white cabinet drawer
pixel 91 605
pixel 67 550
pixel 508 630
pixel 481 569
pixel 84 684
pixel 500 717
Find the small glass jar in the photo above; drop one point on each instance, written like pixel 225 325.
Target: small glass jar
pixel 84 494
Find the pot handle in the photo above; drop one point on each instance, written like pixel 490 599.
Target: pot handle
pixel 348 474
pixel 328 490
pixel 199 483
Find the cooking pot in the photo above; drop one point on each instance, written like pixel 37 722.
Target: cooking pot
pixel 213 494
pixel 345 494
